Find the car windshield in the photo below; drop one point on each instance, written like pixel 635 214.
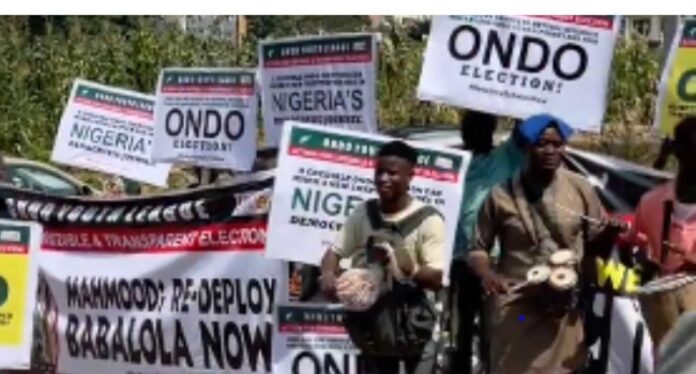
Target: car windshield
pixel 28 177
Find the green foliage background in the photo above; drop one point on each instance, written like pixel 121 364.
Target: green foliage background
pixel 41 56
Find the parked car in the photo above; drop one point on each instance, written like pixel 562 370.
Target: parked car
pixel 37 176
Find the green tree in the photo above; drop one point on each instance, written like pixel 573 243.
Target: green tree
pixel 262 27
pixel 631 103
pixel 41 56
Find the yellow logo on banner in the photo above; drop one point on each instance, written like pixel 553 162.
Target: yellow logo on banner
pixel 617 276
pixel 13 277
pixel 679 96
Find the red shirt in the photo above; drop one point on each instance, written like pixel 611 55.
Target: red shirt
pixel 649 221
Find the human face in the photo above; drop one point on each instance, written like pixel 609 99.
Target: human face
pixel 392 177
pixel 546 155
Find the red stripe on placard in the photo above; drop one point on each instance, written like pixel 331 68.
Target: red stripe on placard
pixel 367 163
pixel 223 90
pixel 316 329
pixel 319 60
pixel 688 43
pixel 17 249
pixel 224 237
pixel 113 108
pixel 594 22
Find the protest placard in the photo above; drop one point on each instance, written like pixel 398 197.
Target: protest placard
pixel 677 90
pixel 19 247
pixel 324 173
pixel 311 339
pixel 328 80
pixel 519 66
pixel 109 130
pixel 165 284
pixel 206 117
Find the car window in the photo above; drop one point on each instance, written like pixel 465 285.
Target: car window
pixel 443 138
pixel 37 179
pixel 435 135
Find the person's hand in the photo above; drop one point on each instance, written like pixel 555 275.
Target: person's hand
pixel 480 265
pixel 492 284
pixel 638 246
pixel 328 284
pixel 630 239
pixel 647 263
pixel 404 262
pixel 615 228
pixel 618 225
pixel 688 263
pixel 602 244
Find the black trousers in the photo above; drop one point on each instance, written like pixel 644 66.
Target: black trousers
pixel 425 363
pixel 467 305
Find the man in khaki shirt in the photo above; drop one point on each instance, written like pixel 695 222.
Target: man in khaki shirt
pixel 422 249
pixel 424 245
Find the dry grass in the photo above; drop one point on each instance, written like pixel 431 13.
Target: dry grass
pixel 634 143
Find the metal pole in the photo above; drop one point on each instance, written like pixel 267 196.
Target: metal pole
pixel 206 177
pixel 670 28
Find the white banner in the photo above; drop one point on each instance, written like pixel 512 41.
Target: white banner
pixel 311 339
pixel 519 66
pixel 617 331
pixel 206 117
pixel 167 312
pixel 186 289
pixel 19 247
pixel 109 130
pixel 324 173
pixel 627 345
pixel 327 80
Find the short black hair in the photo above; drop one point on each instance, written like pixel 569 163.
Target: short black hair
pixel 399 149
pixel 476 118
pixel 684 129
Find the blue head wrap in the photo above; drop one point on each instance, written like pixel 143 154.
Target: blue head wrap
pixel 531 129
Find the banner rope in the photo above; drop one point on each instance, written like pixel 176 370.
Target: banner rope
pixel 667 283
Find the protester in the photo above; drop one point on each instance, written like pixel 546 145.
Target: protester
pixel 266 159
pixel 663 155
pixel 546 209
pixel 671 206
pixel 488 167
pixel 114 187
pixel 418 253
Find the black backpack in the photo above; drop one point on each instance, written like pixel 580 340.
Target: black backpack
pixel 402 320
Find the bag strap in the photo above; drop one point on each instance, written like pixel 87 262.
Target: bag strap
pixel 411 223
pixel 542 223
pixel 668 209
pixel 553 229
pixel 586 207
pixel 373 214
pixel 403 227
